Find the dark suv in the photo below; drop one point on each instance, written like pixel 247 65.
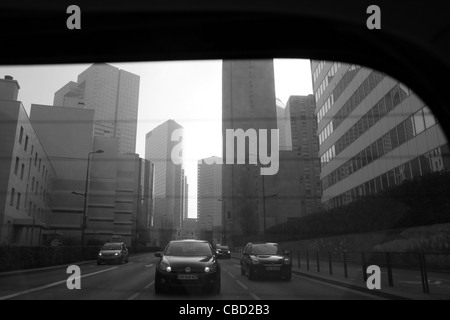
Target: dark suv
pixel 265 259
pixel 113 252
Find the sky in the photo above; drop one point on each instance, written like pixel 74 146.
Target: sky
pixel 190 92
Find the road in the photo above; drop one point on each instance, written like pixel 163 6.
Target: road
pixel 135 281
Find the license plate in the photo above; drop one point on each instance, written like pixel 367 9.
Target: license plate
pixel 187 277
pixel 272 268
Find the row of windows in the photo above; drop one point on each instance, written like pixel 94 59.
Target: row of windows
pixel 44 174
pixel 326 81
pixel 414 125
pixel 357 97
pixel 430 162
pixel 385 105
pixel 326 132
pixel 318 70
pixel 337 91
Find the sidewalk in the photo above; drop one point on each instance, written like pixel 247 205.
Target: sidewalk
pixel 407 284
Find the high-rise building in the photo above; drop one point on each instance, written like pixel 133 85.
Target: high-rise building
pixel 163 147
pixel 119 197
pixel 284 126
pixel 248 103
pixel 27 176
pixel 300 111
pixel 113 94
pixel 373 132
pixel 209 199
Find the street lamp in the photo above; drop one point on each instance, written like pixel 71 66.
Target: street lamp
pixel 264 199
pixel 85 195
pixel 212 226
pixel 224 225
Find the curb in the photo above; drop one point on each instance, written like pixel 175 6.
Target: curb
pixel 381 294
pixel 386 295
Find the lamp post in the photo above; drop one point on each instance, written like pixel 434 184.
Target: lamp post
pixel 85 195
pixel 264 199
pixel 224 223
pixel 212 227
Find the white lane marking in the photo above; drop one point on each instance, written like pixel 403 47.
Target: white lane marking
pixel 237 265
pixel 242 285
pixel 51 285
pixel 255 296
pixel 340 287
pixel 149 285
pixel 134 296
pixel 149 265
pixel 229 273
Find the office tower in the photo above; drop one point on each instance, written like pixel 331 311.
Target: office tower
pixel 186 198
pixel 119 196
pixel 300 111
pixel 163 147
pixel 27 175
pixel 284 125
pixel 373 132
pixel 113 94
pixel 210 204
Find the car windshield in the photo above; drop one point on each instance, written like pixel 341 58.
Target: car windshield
pixel 223 247
pixel 266 248
pixel 111 246
pixel 188 249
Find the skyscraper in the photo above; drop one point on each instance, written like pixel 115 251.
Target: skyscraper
pixel 209 191
pixel 300 110
pixel 248 102
pixel 113 94
pixel 374 132
pixel 163 147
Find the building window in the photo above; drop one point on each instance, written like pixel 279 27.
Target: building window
pixel 21 135
pixel 26 143
pixel 35 159
pixel 39 167
pixel 16 167
pixel 429 118
pixel 11 200
pixel 418 122
pixel 18 201
pixel 22 170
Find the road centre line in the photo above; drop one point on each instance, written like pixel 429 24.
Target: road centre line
pixel 134 296
pixel 149 285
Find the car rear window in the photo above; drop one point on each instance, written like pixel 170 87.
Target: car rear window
pixel 188 249
pixel 111 246
pixel 266 249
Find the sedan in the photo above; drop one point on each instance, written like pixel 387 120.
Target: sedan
pixel 265 260
pixel 223 251
pixel 187 264
pixel 113 252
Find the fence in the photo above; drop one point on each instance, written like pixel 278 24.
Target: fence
pixel 413 264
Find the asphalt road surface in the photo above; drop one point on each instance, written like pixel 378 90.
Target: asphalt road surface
pixel 135 280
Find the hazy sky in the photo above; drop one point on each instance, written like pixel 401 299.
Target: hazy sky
pixel 190 92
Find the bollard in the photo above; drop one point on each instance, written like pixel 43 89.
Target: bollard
pixel 423 271
pixel 330 264
pixel 389 269
pixel 298 257
pixel 307 260
pixel 318 262
pixel 364 266
pixel 344 256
